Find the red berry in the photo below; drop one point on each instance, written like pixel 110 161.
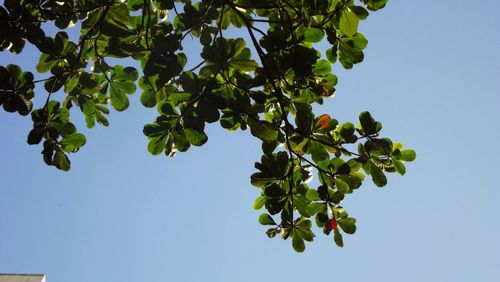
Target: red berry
pixel 332 224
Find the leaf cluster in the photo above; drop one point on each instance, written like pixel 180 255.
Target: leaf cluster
pixel 265 81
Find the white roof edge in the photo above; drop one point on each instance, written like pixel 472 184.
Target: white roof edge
pixel 22 274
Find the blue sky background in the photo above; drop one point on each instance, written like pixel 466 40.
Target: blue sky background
pixel 431 75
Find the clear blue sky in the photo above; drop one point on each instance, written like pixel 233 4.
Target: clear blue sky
pixel 431 75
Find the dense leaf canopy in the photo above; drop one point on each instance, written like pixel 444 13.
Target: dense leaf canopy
pixel 266 81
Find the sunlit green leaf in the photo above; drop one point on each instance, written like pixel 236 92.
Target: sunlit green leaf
pixel 313 35
pixel 73 141
pixel 348 23
pixel 399 166
pixel 408 155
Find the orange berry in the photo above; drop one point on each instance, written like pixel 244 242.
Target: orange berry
pixel 323 121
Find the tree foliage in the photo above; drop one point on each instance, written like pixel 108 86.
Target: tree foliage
pixel 266 82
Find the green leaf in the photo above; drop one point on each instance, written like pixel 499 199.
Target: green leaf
pixel 367 123
pixel 195 137
pixel 378 176
pixel 53 84
pixel 266 219
pixel 350 50
pixel 304 117
pixel 119 99
pixel 346 130
pixel 124 74
pixel 262 130
pixel 166 67
pixel 73 141
pixel 408 155
pixel 399 166
pixel 342 186
pixel 259 202
pixel 337 237
pixel 61 161
pixel 348 23
pixel 322 68
pixel 179 97
pixel 274 206
pixel 305 233
pixel 205 37
pixel 243 63
pixel 35 136
pixel 71 84
pixel 331 55
pixel 318 153
pixel 298 144
pixel 167 109
pixel 239 56
pixel 101 119
pixel 260 180
pixel 298 243
pixel 274 190
pixel 314 208
pixel 148 98
pixel 119 14
pixel 165 4
pixel 301 203
pixel 181 142
pixel 156 144
pixel 313 35
pixel 271 232
pixel 122 82
pixel 312 195
pixel 360 12
pixel 19 89
pixel 208 110
pixel 46 63
pixel 348 224
pixel 127 87
pixel 374 5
